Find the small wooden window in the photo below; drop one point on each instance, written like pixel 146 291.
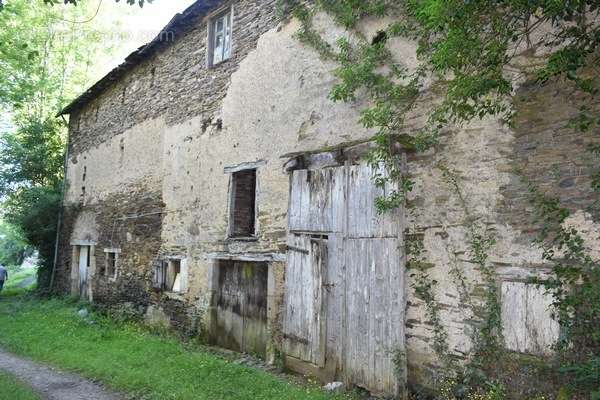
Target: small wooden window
pixel 159 275
pixel 111 264
pixel 111 261
pixel 219 35
pixel 170 276
pixel 242 218
pixel 174 276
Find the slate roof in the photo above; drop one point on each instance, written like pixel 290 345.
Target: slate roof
pixel 178 25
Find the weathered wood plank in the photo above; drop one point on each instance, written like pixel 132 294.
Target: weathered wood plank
pixel 363 276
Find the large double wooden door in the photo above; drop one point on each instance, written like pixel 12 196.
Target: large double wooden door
pixel 344 285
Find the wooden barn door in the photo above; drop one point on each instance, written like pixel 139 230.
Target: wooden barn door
pixel 241 303
pixel 304 319
pixel 344 299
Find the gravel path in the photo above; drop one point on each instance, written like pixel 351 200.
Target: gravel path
pixel 52 384
pixel 26 282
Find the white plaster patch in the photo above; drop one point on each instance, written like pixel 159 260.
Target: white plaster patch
pixel 85 228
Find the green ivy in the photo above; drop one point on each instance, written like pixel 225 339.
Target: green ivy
pixel 466 46
pixel 575 287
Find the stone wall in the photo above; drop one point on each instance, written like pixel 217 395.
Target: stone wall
pixel 165 139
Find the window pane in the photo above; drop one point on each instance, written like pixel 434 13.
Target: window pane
pixel 220 25
pixel 221 40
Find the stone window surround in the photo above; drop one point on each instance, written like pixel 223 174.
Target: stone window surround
pixel 230 197
pixel 184 272
pixel 227 8
pixel 117 253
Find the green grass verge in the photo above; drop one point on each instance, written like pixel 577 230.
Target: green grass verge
pixel 12 389
pixel 130 359
pixel 14 285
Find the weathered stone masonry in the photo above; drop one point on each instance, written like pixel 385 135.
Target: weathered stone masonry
pixel 154 152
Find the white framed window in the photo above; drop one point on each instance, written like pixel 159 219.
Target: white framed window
pixel 219 37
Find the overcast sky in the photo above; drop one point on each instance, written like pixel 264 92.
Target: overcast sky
pixel 139 24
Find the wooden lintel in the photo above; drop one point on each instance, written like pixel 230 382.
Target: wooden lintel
pixel 244 166
pixel 251 257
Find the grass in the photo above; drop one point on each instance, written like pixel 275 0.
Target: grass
pixel 130 359
pixel 12 286
pixel 12 389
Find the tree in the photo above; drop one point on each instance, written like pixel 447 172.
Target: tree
pixel 52 2
pixel 45 60
pixel 13 246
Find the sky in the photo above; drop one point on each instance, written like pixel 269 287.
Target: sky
pixel 140 25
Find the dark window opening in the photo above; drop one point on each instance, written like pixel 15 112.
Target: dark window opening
pixel 111 264
pixel 152 76
pixel 243 204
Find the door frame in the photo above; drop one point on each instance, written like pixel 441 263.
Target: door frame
pixel 335 368
pixel 75 272
pixel 275 268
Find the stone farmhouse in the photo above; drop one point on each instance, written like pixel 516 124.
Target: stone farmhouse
pixel 213 185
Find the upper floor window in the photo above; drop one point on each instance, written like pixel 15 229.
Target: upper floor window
pixel 242 203
pixel 220 38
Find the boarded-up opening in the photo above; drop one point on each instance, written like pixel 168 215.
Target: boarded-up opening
pixel 240 303
pixel 243 204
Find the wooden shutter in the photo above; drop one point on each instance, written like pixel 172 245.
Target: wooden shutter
pixel 159 275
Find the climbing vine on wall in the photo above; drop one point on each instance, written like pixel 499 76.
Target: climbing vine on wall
pixel 575 288
pixel 465 47
pixel 424 287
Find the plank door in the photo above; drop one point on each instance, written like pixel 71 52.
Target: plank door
pixel 345 314
pixel 84 263
pixel 241 302
pixel 254 306
pixel 304 314
pixel 374 323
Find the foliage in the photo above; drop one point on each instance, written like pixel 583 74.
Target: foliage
pixel 424 287
pixel 467 47
pixel 451 389
pixel 20 282
pixel 45 60
pixel 35 212
pixel 32 155
pixel 128 358
pixel 488 337
pixel 575 287
pixel 75 2
pixel 13 246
